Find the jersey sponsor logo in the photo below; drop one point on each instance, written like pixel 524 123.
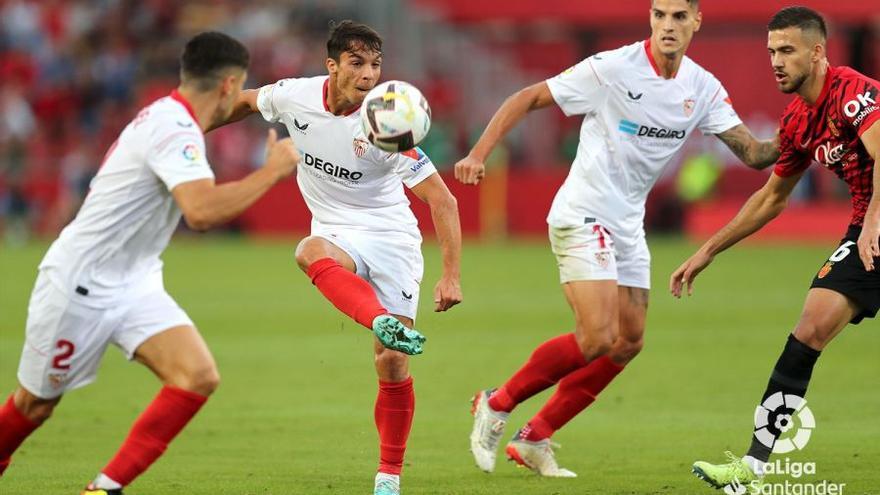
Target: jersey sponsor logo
pixel 191 152
pixel 331 169
pixel 828 154
pixel 634 97
pixel 406 296
pixel 419 156
pixel 860 107
pixel 301 127
pixel 184 124
pixel 635 129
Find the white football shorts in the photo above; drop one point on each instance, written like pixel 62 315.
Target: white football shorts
pixel 391 263
pixel 590 252
pixel 65 339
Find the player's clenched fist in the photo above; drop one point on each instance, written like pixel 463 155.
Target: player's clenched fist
pixel 469 170
pixel 281 155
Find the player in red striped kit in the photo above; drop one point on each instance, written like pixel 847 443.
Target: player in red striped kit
pixel 832 121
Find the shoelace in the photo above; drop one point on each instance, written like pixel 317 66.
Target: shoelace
pixel 741 471
pixel 550 447
pixel 496 430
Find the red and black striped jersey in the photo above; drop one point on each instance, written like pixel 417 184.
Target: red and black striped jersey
pixel 829 132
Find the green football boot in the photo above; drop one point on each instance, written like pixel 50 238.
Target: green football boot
pixel 395 336
pixel 735 476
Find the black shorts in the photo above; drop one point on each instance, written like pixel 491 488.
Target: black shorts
pixel 845 273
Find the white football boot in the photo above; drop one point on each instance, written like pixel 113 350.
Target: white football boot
pixel 488 430
pixel 537 456
pixel 387 484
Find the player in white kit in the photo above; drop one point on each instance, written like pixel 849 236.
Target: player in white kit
pixel 364 251
pixel 640 102
pixel 101 280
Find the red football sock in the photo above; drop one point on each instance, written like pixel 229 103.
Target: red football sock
pixel 349 293
pixel 14 428
pixel 575 393
pixel 163 419
pixel 551 361
pixel 395 406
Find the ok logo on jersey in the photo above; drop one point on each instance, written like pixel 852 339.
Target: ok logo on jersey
pixel 861 106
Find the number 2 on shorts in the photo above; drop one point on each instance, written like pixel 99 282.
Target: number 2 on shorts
pixel 61 361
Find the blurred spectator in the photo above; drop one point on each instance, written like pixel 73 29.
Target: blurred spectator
pixel 74 72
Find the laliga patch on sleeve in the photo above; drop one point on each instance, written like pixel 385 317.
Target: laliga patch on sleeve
pixel 192 152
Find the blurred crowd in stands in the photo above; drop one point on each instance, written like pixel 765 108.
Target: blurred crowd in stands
pixel 74 72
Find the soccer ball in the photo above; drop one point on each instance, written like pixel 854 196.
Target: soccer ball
pixel 395 116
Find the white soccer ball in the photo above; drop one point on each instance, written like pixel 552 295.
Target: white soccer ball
pixel 395 116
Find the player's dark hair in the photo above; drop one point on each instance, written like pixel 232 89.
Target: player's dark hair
pixel 692 3
pixel 207 55
pixel 801 17
pixel 347 35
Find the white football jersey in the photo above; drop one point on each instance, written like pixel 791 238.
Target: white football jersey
pixel 129 215
pixel 346 182
pixel 635 121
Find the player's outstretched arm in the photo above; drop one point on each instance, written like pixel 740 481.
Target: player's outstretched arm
pixel 444 213
pixel 470 169
pixel 755 153
pixel 868 243
pixel 245 105
pixel 764 205
pixel 206 205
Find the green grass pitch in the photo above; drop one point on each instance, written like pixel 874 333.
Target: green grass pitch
pixel 294 414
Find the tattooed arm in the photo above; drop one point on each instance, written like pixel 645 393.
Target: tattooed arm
pixel 755 153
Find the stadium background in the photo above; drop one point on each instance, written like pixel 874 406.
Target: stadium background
pixel 297 375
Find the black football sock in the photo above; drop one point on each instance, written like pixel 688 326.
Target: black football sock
pixel 790 376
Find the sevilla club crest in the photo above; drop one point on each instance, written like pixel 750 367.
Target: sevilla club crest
pixel 689 107
pixel 825 270
pixel 360 147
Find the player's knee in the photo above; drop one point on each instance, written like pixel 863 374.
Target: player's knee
pixel 594 344
pixel 202 380
pixel 303 255
pixel 811 333
pixel 392 366
pixel 625 350
pixel 34 408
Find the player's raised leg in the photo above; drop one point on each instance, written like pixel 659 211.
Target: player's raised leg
pixel 333 271
pixel 22 413
pixel 181 360
pixel 595 305
pixel 580 388
pixel 395 406
pixel 825 314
